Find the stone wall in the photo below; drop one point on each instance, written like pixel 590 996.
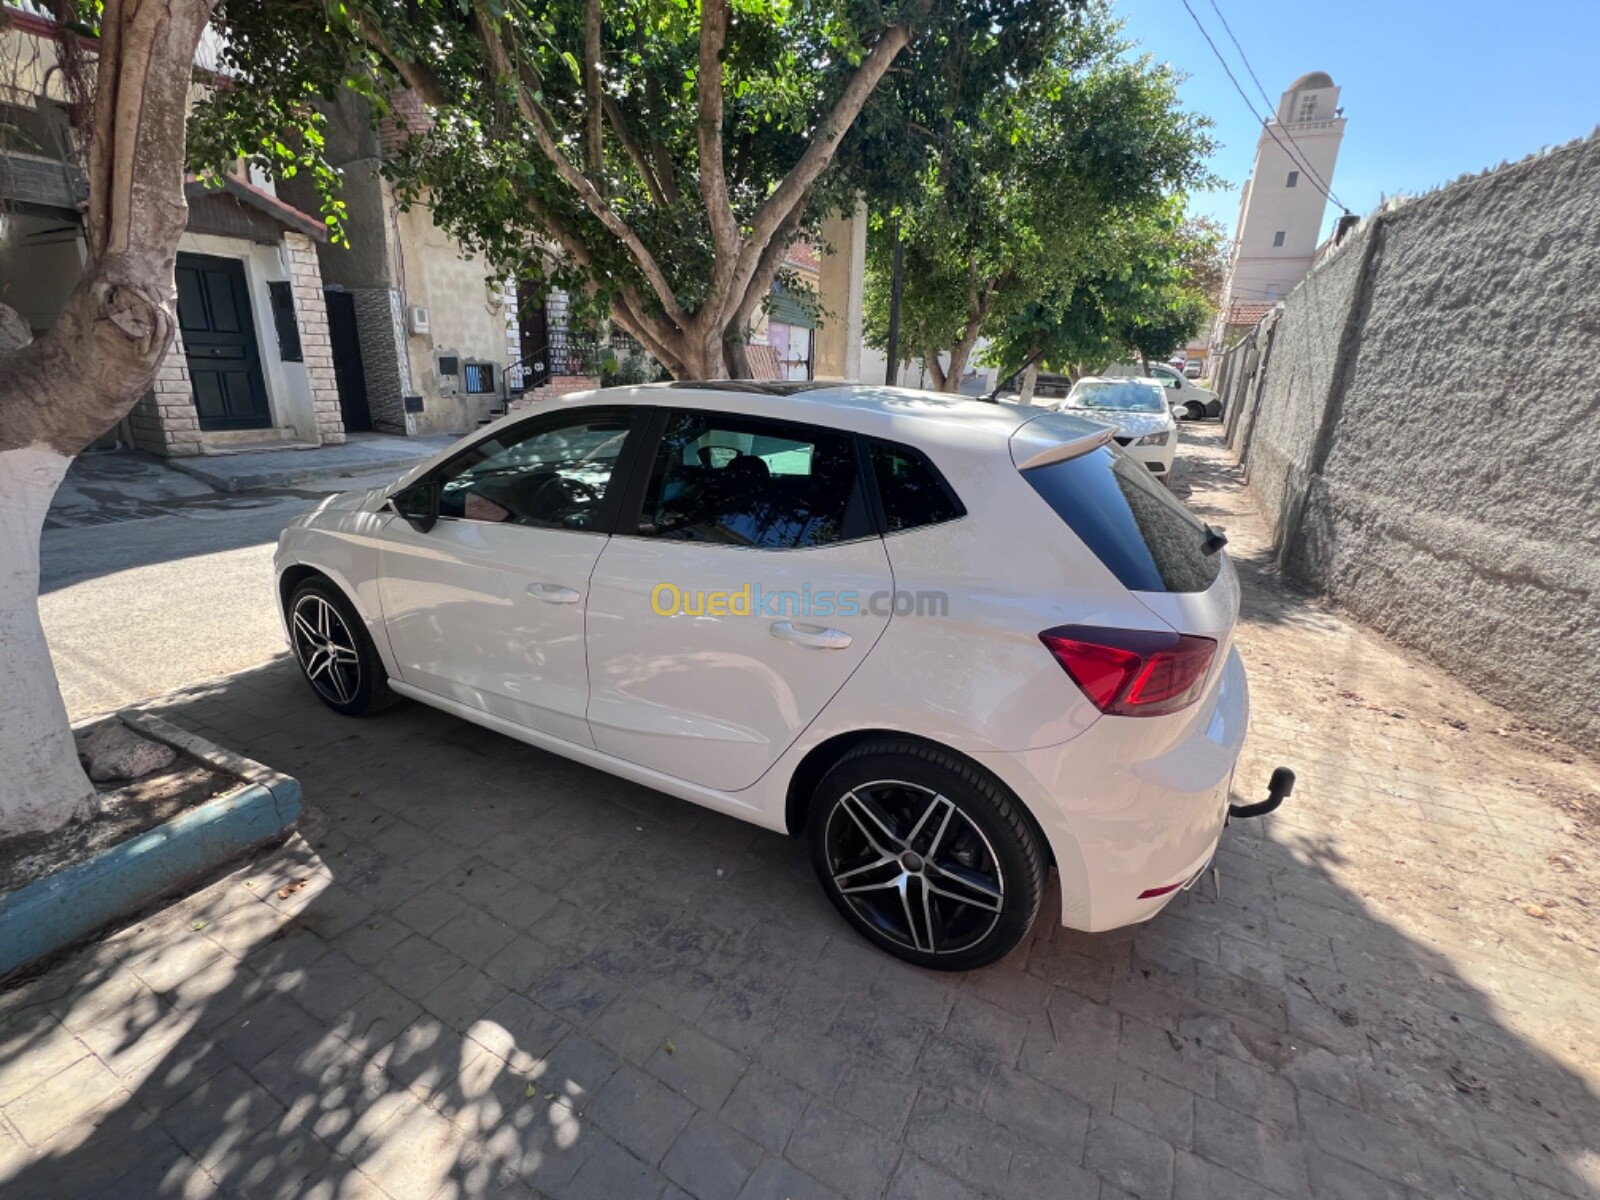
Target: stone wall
pixel 164 420
pixel 311 313
pixel 1421 431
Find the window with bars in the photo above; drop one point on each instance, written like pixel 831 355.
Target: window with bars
pixel 477 378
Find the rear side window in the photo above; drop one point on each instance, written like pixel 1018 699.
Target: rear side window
pixel 911 489
pixel 767 485
pixel 1138 529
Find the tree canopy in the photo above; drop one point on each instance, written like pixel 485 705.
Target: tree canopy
pixel 1045 203
pixel 654 157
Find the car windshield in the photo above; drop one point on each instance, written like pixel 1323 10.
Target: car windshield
pixel 1118 395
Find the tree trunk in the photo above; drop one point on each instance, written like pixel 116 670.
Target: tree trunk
pixel 1030 377
pixel 61 392
pixel 736 358
pixel 42 785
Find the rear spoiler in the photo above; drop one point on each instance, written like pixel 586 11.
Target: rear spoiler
pixel 1053 437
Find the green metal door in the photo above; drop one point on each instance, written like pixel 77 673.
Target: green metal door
pixel 219 341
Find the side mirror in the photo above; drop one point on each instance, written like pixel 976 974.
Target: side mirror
pixel 418 504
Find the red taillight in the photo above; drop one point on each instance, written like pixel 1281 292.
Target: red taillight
pixel 1133 672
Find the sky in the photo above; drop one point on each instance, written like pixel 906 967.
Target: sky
pixel 1432 89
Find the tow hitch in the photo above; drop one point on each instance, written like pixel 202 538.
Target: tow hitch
pixel 1278 789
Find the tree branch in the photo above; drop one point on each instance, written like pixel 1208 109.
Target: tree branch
pixel 635 152
pixel 767 268
pixel 533 114
pixel 792 193
pixel 629 307
pixel 415 75
pixel 591 86
pixel 708 83
pixel 84 375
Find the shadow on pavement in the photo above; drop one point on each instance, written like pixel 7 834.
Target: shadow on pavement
pixel 485 971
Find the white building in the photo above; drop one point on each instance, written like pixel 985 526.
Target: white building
pixel 1281 209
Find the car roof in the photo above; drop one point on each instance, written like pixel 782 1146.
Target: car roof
pixel 897 414
pixel 945 427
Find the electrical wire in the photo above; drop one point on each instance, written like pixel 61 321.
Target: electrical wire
pixel 1266 125
pixel 1267 100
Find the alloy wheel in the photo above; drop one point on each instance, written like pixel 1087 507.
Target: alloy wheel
pixel 326 649
pixel 914 866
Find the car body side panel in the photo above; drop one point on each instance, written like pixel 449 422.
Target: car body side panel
pixel 466 618
pixel 710 695
pixel 343 544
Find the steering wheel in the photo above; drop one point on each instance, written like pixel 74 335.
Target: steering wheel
pixel 573 491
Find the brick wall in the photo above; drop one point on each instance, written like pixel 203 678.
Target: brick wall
pixel 407 117
pixel 164 421
pixel 559 385
pixel 513 325
pixel 311 311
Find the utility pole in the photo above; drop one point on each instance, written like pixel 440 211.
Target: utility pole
pixel 891 373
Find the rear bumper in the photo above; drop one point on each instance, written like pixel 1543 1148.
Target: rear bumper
pixel 1131 815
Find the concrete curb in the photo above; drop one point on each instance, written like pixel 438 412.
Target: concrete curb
pixel 60 909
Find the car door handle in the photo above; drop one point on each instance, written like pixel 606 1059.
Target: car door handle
pixel 553 593
pixel 812 637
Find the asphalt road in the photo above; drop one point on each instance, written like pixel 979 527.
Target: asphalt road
pixel 151 581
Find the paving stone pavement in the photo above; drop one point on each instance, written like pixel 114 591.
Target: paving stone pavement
pixel 486 972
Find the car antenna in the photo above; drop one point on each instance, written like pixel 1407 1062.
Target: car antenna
pixel 993 396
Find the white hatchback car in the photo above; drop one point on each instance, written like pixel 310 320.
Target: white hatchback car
pixel 950 642
pixel 1136 410
pixel 1183 394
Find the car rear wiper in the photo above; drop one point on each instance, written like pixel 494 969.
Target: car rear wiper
pixel 1215 540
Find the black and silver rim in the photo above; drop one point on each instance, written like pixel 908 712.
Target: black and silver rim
pixel 326 649
pixel 915 867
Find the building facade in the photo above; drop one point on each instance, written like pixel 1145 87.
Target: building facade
pixel 1283 204
pixel 252 361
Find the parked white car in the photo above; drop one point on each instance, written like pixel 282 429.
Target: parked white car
pixel 1136 410
pixel 1184 395
pixel 948 642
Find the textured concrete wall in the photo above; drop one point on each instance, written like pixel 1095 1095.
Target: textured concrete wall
pixel 466 318
pixel 1428 437
pixel 1297 377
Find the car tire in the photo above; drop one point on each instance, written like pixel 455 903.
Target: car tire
pixel 335 652
pixel 927 857
pixel 1195 409
pixel 1214 409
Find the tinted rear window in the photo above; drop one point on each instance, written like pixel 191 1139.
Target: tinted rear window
pixel 1138 529
pixel 913 492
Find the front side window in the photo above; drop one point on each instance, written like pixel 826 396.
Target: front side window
pixel 911 489
pixel 767 485
pixel 552 473
pixel 1169 377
